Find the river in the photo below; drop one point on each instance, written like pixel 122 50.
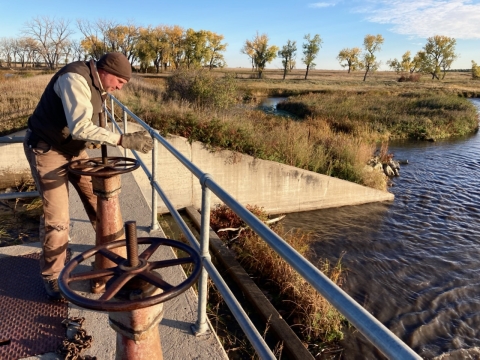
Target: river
pixel 414 263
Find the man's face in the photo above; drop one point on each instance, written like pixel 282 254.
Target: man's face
pixel 111 82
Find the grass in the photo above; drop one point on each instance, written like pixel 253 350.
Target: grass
pixel 316 321
pixel 19 218
pixel 341 120
pixel 19 95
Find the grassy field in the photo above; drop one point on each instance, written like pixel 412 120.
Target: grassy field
pixel 321 80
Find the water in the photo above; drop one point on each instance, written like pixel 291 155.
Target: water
pixel 269 105
pixel 414 263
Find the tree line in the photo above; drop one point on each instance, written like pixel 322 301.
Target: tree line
pixel 48 40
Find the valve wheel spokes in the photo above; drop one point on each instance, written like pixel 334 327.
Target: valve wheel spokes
pixel 97 167
pixel 123 273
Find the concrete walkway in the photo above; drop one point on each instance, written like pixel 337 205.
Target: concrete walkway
pixel 180 313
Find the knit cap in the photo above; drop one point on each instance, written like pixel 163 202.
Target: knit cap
pixel 117 64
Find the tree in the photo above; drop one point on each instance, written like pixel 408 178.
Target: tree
pixel 195 47
pixel 176 37
pixel 406 65
pixel 52 35
pixel 214 56
pixel 371 44
pixel 123 38
pixel 288 54
pixel 350 57
pixel 78 52
pixel 94 41
pixel 475 71
pixel 149 47
pixel 7 46
pixel 437 56
pixel 260 53
pixel 27 48
pixel 310 51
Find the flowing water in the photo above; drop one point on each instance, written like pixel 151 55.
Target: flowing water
pixel 413 263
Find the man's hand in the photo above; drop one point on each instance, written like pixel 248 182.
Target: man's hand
pixel 139 141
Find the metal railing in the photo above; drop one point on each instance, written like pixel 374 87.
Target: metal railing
pixel 380 336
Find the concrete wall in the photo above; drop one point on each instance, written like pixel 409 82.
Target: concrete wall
pixel 13 164
pixel 276 187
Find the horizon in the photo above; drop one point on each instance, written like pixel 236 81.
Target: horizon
pixel 405 25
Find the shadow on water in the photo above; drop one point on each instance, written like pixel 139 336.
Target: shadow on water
pixel 269 106
pixel 413 263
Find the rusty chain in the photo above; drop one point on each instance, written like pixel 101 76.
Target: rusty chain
pixel 76 340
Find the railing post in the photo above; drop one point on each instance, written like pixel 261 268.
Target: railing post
pixel 154 179
pixel 112 104
pixel 201 326
pixel 125 126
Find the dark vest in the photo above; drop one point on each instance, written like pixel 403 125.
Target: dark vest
pixel 48 121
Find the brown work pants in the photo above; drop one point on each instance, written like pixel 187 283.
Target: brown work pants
pixel 51 175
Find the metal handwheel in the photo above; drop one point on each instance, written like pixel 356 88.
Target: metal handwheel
pixel 103 166
pixel 124 272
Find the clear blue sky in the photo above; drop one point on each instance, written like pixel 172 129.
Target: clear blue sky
pixel 405 24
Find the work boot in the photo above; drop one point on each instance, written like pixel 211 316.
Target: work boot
pixel 51 287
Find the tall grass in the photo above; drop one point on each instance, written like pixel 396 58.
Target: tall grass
pixel 314 318
pixel 312 144
pixel 19 95
pixel 384 115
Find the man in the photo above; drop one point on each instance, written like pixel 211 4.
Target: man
pixel 62 125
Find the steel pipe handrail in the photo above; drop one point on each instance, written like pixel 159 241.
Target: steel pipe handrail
pixel 377 333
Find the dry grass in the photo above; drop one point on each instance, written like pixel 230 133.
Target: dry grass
pixel 314 318
pixel 19 219
pixel 19 95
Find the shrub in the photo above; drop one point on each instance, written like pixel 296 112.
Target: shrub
pixel 203 88
pixel 411 78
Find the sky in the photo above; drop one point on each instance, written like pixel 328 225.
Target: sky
pixel 404 24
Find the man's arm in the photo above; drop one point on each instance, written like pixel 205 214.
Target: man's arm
pixel 75 93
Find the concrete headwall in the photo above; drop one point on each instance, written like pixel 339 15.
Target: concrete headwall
pixel 13 164
pixel 276 187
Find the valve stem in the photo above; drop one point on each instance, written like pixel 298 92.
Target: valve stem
pixel 132 243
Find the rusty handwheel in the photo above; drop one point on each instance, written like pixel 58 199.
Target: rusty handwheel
pixel 124 273
pixel 103 166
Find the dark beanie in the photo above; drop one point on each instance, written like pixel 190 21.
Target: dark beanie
pixel 117 64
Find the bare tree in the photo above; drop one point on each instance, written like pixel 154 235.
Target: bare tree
pixel 7 50
pixel 95 40
pixel 78 52
pixel 52 35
